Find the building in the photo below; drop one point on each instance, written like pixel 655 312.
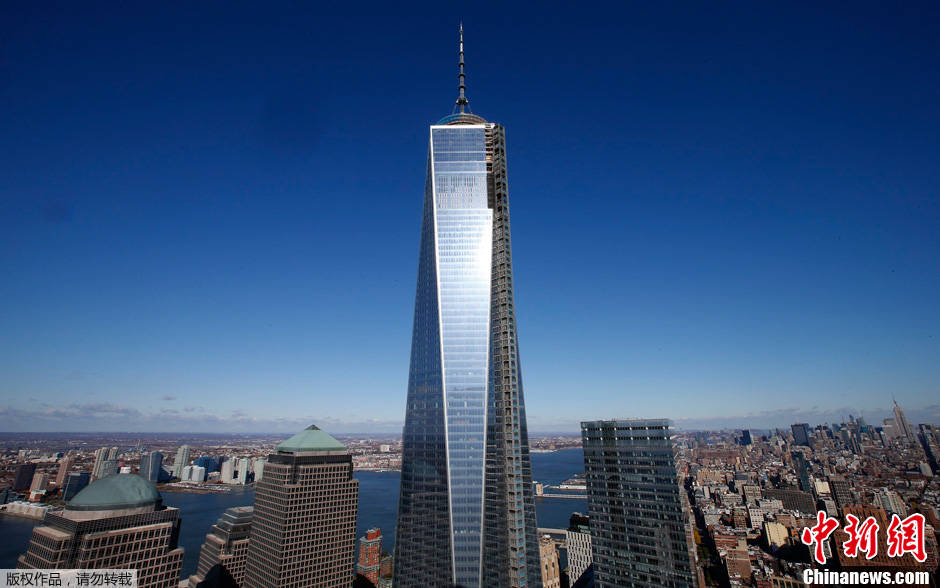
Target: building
pixel 226 545
pixel 466 510
pixel 548 557
pixel 800 434
pixel 151 466
pixel 793 499
pixel 117 522
pixel 775 534
pixel 578 539
pixel 303 532
pixel 182 460
pixel 904 428
pixel 258 466
pixel 638 527
pixel 39 482
pixel 65 466
pixel 24 477
pixel 370 555
pixel 243 469
pixel 882 560
pixel 228 472
pixel 75 483
pixel 746 438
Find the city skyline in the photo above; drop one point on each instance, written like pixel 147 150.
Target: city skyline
pixel 742 202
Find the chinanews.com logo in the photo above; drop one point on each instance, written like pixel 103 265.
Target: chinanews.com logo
pixel 830 578
pixel 902 537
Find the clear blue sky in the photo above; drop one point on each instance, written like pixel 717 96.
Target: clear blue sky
pixel 726 214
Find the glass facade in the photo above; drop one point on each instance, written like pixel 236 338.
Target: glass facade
pixel 454 485
pixel 637 523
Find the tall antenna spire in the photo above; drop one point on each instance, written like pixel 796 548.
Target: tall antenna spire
pixel 462 101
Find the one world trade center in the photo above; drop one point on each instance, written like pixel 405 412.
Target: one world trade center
pixel 466 514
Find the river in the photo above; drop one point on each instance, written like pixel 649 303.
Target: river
pixel 378 507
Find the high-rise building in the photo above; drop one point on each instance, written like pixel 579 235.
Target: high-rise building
pixel 466 510
pixel 746 438
pixel 370 555
pixel 151 466
pixel 903 425
pixel 117 522
pixel 226 545
pixel 243 467
pixel 258 466
pixel 24 477
pixel 304 528
pixel 578 539
pixel 228 472
pixel 39 483
pixel 800 434
pixel 638 527
pixel 65 466
pixel 182 460
pixel 75 483
pixel 548 555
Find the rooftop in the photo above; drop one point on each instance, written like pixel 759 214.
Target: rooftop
pixel 114 492
pixel 311 439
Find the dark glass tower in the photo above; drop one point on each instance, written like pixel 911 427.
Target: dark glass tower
pixel 638 522
pixel 466 513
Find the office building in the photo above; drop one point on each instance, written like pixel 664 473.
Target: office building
pixel 24 477
pixel 117 522
pixel 75 483
pixel 800 434
pixel 466 509
pixel 904 428
pixel 303 532
pixel 182 460
pixel 578 539
pixel 746 438
pixel 638 527
pixel 226 545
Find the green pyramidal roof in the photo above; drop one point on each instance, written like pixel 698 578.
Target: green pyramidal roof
pixel 311 439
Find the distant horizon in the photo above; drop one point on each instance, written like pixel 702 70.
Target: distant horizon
pixel 210 216
pixel 912 417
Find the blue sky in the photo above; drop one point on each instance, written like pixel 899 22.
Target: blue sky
pixel 723 214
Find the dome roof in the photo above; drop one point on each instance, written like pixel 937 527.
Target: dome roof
pixel 311 439
pixel 114 492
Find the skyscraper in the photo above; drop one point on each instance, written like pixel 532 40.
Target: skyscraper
pixel 370 555
pixel 151 466
pixel 638 536
pixel 182 460
pixel 75 483
pixel 800 434
pixel 466 511
pixel 303 531
pixel 24 477
pixel 65 466
pixel 903 425
pixel 226 545
pixel 117 522
pixel 578 539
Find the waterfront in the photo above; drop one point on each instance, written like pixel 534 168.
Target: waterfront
pixel 378 506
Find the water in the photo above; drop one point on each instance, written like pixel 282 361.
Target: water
pixel 378 507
